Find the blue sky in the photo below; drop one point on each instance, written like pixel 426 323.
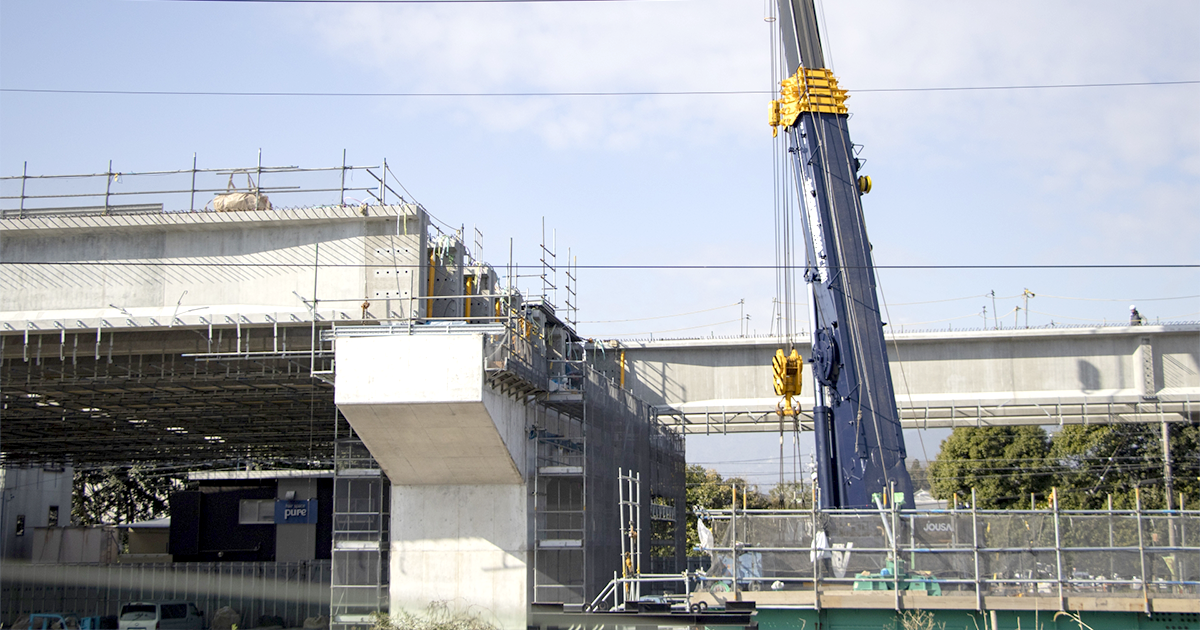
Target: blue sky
pixel 1009 177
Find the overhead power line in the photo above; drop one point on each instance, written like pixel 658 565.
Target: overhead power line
pixel 642 319
pixel 161 263
pixel 395 1
pixel 1054 86
pixel 587 93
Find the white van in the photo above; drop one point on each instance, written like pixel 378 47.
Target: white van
pixel 160 616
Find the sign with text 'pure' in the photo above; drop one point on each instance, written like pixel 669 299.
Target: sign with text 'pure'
pixel 295 512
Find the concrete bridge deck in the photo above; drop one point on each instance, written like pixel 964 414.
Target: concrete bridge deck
pixel 1046 376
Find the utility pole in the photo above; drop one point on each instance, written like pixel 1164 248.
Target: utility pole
pixel 1168 484
pixel 1027 294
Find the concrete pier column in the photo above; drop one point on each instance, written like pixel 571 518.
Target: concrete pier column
pixel 454 451
pixel 464 545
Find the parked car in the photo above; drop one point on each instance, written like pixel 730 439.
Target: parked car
pixel 160 616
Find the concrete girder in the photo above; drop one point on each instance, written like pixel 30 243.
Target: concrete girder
pixel 977 378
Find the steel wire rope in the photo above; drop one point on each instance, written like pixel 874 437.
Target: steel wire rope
pixel 785 226
pixel 797 173
pixel 856 331
pixel 785 281
pixel 828 48
pixel 847 290
pixel 903 372
pixel 777 181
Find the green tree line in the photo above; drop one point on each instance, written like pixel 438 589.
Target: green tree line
pixel 1006 465
pixel 1086 464
pixel 706 488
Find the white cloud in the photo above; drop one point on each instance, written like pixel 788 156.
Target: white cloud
pixel 1029 176
pixel 537 47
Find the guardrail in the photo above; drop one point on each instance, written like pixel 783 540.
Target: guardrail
pixel 187 190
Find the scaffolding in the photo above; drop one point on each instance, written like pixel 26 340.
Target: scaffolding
pixel 588 432
pixel 559 491
pixel 1048 553
pixel 629 489
pixel 117 192
pixel 359 584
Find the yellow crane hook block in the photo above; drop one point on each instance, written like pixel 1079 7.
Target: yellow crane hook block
pixel 789 377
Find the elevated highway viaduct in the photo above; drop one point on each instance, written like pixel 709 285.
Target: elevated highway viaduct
pixel 204 339
pixel 1044 376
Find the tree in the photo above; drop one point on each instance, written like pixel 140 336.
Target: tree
pixel 120 494
pixel 1003 464
pixel 919 475
pixel 706 488
pixel 790 495
pixel 1095 461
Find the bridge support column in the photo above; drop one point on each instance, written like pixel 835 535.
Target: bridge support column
pixel 464 545
pixel 454 451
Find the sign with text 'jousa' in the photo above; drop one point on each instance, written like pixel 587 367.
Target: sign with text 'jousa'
pixel 295 512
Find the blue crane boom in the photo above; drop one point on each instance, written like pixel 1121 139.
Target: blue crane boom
pixel 859 442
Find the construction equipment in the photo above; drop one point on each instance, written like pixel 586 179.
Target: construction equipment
pixel 860 447
pixel 788 379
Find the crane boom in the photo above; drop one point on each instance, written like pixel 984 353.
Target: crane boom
pixel 859 442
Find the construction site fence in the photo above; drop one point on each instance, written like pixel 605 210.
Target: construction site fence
pixel 1134 553
pixel 293 591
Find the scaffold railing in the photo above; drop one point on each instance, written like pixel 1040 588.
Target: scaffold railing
pixel 1024 553
pixel 116 191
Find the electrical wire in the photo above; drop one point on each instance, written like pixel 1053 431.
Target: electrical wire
pixel 1062 297
pixel 161 263
pixel 396 1
pixel 642 319
pixel 589 93
pixel 656 332
pixel 1090 319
